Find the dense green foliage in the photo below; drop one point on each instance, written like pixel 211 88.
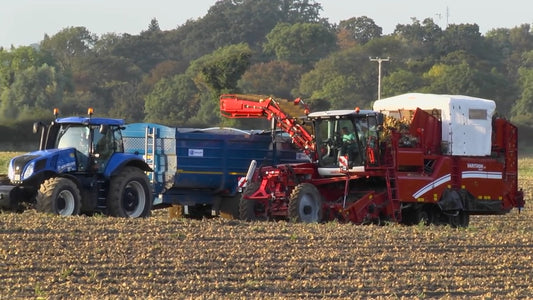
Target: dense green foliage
pixel 274 47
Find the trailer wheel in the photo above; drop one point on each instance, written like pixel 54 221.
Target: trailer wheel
pixel 229 207
pixel 251 210
pixel 59 196
pixel 130 194
pixel 305 204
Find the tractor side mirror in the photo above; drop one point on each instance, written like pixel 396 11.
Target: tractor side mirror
pixel 37 126
pixel 103 129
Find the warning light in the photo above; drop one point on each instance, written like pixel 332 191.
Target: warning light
pixel 90 111
pixel 56 112
pixel 357 110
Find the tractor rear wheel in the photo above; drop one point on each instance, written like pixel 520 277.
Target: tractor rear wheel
pixel 130 194
pixel 305 204
pixel 59 196
pixel 249 209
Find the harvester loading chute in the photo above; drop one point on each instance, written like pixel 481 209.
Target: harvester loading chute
pixel 247 106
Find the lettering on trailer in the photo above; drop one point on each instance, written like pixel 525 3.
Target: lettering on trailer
pixel 196 152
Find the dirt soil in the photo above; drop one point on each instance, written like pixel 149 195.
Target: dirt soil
pixel 43 256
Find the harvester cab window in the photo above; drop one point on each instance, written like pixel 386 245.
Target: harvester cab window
pixel 339 137
pixel 349 136
pixel 327 139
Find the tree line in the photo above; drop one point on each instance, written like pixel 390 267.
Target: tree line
pixel 281 48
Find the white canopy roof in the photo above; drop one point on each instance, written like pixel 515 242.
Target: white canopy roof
pixel 466 121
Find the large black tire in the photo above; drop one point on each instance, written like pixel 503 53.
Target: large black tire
pixel 229 207
pixel 59 196
pixel 248 209
pixel 461 219
pixel 424 216
pixel 305 204
pixel 130 194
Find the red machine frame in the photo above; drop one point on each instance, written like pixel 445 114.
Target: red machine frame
pixel 399 183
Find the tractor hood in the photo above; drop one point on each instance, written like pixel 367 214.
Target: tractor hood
pixel 26 166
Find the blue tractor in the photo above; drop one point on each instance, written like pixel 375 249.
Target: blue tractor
pixel 80 167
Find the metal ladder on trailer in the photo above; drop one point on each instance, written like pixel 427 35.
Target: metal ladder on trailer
pixel 150 141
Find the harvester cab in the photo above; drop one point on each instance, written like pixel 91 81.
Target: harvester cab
pixel 346 140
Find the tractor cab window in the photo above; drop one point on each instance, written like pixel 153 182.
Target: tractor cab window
pixel 105 143
pixel 72 136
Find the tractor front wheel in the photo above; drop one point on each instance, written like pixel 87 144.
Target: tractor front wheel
pixel 305 204
pixel 130 194
pixel 59 196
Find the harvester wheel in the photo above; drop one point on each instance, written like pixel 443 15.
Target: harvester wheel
pixel 305 204
pixel 424 216
pixel 248 208
pixel 130 194
pixel 59 196
pixel 462 219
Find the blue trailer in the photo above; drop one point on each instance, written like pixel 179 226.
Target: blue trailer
pixel 197 170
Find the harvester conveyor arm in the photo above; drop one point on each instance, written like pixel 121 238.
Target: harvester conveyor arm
pixel 231 106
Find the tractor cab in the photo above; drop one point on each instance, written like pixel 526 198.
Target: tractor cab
pixel 94 140
pixel 346 139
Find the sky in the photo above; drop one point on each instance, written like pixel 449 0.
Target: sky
pixel 24 22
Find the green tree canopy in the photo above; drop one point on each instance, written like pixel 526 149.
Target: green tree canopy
pixel 172 102
pixel 222 69
pixel 301 43
pixel 263 78
pixel 343 79
pixel 361 29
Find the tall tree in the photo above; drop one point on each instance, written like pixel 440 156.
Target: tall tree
pixel 344 78
pixel 222 69
pixel 462 37
pixel 173 101
pixel 69 46
pixel 522 111
pixel 361 29
pixel 39 88
pixel 421 38
pixel 245 21
pixel 301 43
pixel 275 78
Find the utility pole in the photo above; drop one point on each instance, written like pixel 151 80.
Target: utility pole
pixel 379 60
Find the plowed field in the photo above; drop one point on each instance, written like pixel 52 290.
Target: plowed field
pixel 102 257
pixel 50 257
